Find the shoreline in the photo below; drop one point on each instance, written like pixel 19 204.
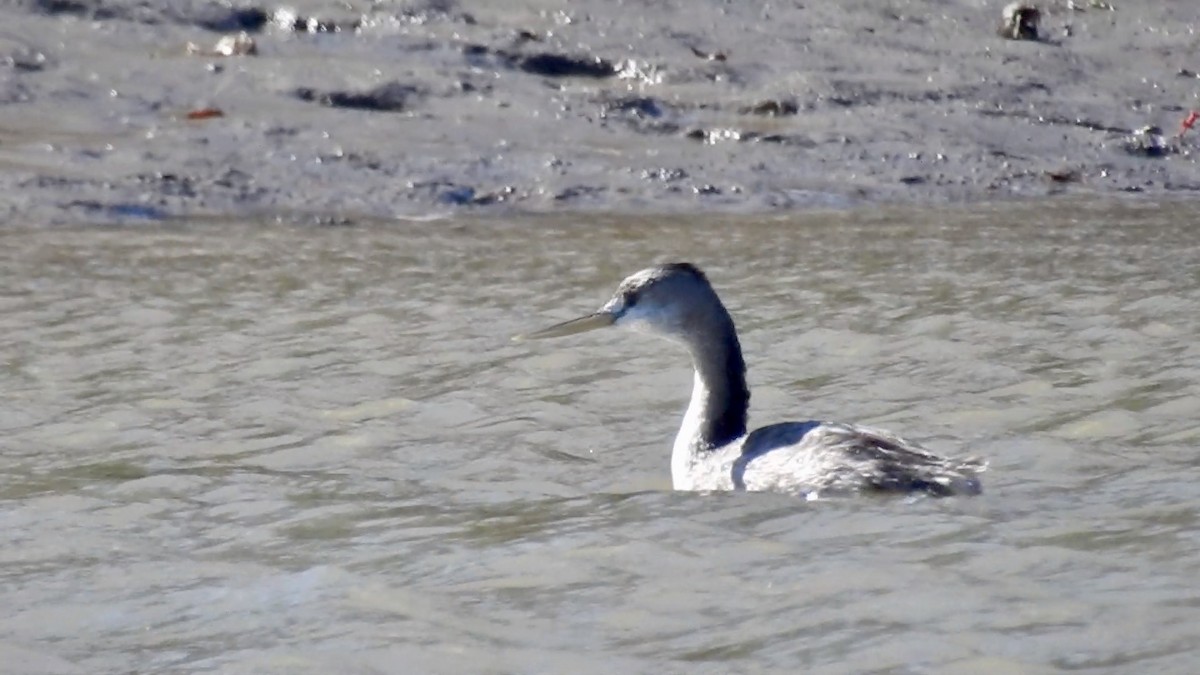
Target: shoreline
pixel 417 108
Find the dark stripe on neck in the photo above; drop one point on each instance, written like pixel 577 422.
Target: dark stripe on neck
pixel 728 397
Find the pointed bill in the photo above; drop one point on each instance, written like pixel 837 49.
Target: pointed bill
pixel 580 325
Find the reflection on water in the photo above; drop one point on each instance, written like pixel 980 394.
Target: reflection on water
pixel 252 448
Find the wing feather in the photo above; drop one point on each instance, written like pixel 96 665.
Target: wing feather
pixel 814 457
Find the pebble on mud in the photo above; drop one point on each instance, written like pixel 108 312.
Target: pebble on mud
pixel 286 18
pixel 1019 21
pixel 205 114
pixel 720 135
pixel 240 44
pixel 709 56
pixel 235 44
pixel 1147 142
pixel 1188 122
pixel 25 60
pixel 771 108
pixel 1062 175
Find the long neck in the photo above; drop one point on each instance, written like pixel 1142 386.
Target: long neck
pixel 716 415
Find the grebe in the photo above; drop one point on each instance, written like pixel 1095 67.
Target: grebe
pixel 712 449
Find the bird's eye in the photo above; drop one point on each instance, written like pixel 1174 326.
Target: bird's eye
pixel 630 300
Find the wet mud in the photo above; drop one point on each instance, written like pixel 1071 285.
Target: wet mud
pixel 126 110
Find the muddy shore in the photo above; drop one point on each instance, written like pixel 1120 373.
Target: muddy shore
pixel 381 109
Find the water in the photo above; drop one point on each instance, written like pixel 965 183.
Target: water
pixel 256 448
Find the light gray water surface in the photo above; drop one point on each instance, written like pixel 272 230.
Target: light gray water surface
pixel 259 448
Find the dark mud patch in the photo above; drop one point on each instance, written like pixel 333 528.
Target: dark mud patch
pixel 545 64
pixel 389 97
pixel 249 19
pixel 561 65
pixel 119 212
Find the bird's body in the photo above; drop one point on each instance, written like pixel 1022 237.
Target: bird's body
pixel 713 450
pixel 814 458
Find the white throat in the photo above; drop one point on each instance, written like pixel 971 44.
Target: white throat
pixel 686 452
